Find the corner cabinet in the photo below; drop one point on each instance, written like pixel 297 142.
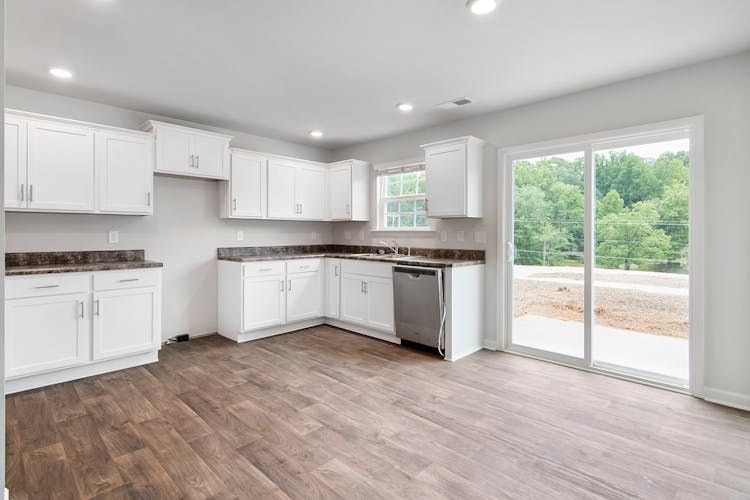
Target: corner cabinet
pixel 244 196
pixel 189 152
pixel 349 190
pixel 454 178
pixel 66 166
pixel 61 327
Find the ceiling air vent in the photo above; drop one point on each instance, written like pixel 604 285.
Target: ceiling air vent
pixel 454 103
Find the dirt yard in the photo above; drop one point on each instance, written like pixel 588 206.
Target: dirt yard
pixel 642 301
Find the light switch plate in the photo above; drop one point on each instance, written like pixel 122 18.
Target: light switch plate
pixel 113 237
pixel 240 235
pixel 361 236
pixel 443 235
pixel 459 236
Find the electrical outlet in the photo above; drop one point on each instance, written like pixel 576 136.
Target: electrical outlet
pixel 459 236
pixel 240 235
pixel 347 235
pixel 113 237
pixel 480 237
pixel 443 235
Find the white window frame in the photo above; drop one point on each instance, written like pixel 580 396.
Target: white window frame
pixel 693 128
pixel 382 186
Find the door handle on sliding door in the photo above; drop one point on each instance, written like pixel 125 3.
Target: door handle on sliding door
pixel 510 255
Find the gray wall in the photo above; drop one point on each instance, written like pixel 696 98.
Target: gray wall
pixel 720 90
pixel 184 231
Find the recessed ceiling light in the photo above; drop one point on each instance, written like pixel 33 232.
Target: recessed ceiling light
pixel 316 133
pixel 405 107
pixel 61 72
pixel 482 7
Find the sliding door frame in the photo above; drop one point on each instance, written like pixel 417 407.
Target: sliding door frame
pixel 692 127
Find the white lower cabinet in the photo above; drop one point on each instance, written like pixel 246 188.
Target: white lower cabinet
pixel 367 301
pixel 46 333
pixel 263 302
pixel 125 322
pixel 61 327
pixel 304 296
pixel 332 302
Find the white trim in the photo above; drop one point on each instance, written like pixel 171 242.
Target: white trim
pixel 727 398
pixel 692 127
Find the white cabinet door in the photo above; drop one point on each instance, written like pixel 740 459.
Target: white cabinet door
pixel 60 167
pixel 125 167
pixel 46 333
pixel 340 193
pixel 354 307
pixel 15 162
pixel 174 151
pixel 209 156
pixel 304 296
pixel 248 185
pixel 332 288
pixel 310 192
pixel 445 181
pixel 263 302
pixel 281 202
pixel 379 293
pixel 124 322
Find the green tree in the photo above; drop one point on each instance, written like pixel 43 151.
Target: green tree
pixel 628 174
pixel 612 203
pixel 630 238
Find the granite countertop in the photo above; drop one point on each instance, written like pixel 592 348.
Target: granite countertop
pixel 439 258
pixel 20 264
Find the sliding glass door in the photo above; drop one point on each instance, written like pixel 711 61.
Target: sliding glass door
pixel 598 262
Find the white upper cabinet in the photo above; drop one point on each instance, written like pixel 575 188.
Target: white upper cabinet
pixel 310 192
pixel 15 162
pixel 454 176
pixel 60 165
pixel 190 152
pixel 349 190
pixel 244 195
pixel 296 190
pixel 124 166
pixel 60 169
pixel 281 201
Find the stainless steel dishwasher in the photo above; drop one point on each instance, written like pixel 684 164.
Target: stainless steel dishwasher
pixel 418 305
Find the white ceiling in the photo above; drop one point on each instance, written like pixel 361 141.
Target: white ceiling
pixel 283 67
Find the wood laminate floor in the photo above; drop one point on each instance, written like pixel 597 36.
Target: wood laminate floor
pixel 323 413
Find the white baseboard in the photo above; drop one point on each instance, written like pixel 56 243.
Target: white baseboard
pixel 727 398
pixel 276 330
pixel 490 344
pixel 363 330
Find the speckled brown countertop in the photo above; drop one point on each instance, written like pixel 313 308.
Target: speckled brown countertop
pixel 19 264
pixel 424 257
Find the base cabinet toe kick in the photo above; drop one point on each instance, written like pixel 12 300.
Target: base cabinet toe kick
pixel 66 326
pixel 261 299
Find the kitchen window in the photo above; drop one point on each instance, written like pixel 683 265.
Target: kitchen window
pixel 402 202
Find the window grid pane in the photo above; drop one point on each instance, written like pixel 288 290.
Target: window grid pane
pixel 409 213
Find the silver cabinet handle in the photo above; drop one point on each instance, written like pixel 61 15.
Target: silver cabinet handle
pixel 148 199
pixel 192 161
pixel 31 193
pixel 80 304
pixel 335 271
pixel 362 287
pixel 197 161
pixel 23 191
pixel 47 286
pixel 304 267
pixel 300 208
pixel 265 269
pixel 365 283
pixel 234 204
pixel 97 307
pixel 281 283
pixel 128 280
pixel 289 286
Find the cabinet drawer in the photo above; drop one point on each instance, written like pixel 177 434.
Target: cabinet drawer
pixel 302 266
pixel 113 280
pixel 264 268
pixel 46 284
pixel 380 269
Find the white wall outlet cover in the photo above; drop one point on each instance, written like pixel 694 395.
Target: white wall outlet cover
pixel 314 236
pixel 240 235
pixel 347 235
pixel 459 236
pixel 443 235
pixel 113 237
